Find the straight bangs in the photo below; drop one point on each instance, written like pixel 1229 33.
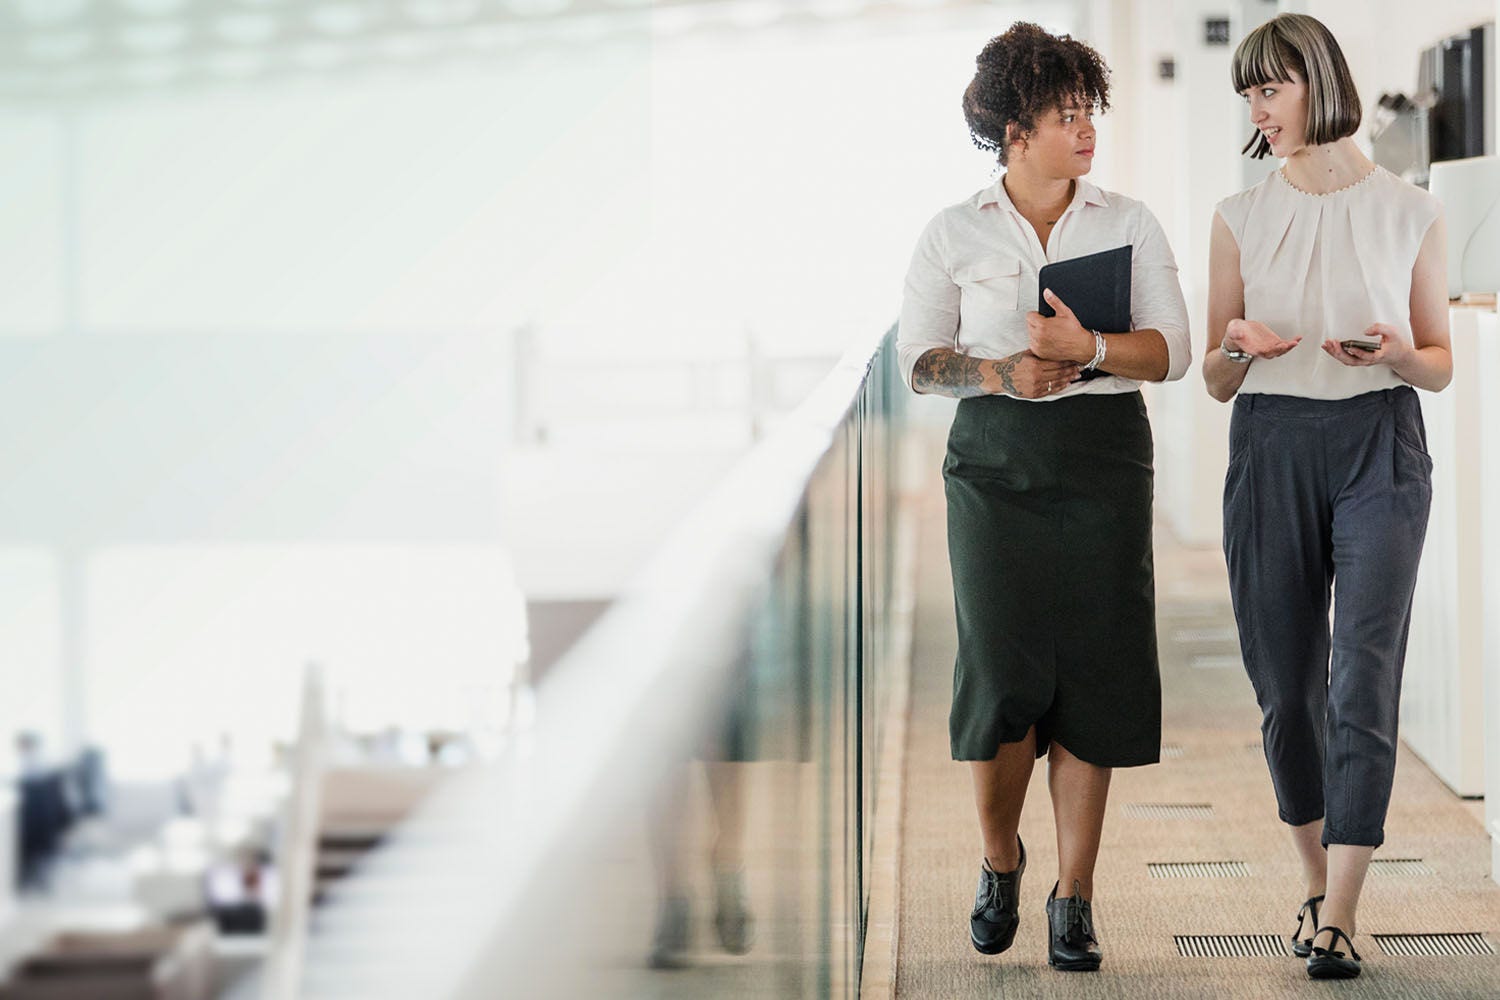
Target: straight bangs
pixel 1297 43
pixel 1262 59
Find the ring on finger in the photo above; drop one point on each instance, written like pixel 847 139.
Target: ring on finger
pixel 1049 386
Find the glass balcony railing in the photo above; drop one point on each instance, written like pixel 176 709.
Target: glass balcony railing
pixel 688 808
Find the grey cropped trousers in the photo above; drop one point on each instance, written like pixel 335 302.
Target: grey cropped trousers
pixel 1319 494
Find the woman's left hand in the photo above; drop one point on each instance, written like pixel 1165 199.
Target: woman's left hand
pixel 1060 337
pixel 1392 348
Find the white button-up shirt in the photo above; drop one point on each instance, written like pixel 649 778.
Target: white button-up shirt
pixel 973 278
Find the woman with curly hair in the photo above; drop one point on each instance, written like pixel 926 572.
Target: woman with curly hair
pixel 1048 475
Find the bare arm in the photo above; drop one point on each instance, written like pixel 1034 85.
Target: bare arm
pixel 1226 302
pixel 944 372
pixel 1139 355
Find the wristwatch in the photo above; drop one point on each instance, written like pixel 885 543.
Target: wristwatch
pixel 1238 357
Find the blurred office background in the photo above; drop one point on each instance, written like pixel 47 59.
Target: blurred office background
pixel 459 524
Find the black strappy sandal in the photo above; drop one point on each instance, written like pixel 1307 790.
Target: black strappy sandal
pixel 1325 963
pixel 1302 947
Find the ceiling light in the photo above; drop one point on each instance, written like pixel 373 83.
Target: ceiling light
pixel 836 8
pixel 677 20
pixel 339 18
pixel 246 28
pixel 49 13
pixel 583 29
pixel 436 13
pixel 495 36
pixel 153 8
pixel 406 47
pixel 154 36
pixel 755 13
pixel 536 8
pixel 59 46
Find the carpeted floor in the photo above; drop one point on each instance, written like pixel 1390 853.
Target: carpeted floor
pixel 1212 725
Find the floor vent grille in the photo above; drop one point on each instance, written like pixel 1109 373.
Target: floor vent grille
pixel 1230 945
pixel 1198 869
pixel 1433 944
pixel 1393 867
pixel 1171 751
pixel 1217 661
pixel 1168 810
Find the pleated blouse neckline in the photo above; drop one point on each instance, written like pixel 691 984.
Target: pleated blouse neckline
pixel 1281 173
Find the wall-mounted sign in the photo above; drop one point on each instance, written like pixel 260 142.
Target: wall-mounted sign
pixel 1166 69
pixel 1216 31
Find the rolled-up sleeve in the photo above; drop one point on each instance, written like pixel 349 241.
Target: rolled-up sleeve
pixel 1157 301
pixel 929 304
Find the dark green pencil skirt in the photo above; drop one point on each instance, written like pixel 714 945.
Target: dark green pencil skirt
pixel 1049 537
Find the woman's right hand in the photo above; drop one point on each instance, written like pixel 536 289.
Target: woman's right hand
pixel 1027 376
pixel 1256 339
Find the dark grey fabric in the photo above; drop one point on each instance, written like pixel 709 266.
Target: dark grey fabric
pixel 1319 493
pixel 1049 537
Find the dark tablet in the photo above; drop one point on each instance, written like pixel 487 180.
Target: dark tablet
pixel 1096 287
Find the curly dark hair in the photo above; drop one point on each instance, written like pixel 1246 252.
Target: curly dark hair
pixel 1023 74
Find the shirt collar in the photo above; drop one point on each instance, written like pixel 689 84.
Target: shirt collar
pixel 1085 193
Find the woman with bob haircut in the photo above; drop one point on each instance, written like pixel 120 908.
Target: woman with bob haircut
pixel 1048 476
pixel 1327 304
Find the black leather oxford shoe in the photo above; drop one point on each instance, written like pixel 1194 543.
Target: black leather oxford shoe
pixel 1071 945
pixel 996 914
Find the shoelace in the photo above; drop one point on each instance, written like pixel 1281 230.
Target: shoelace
pixel 1078 923
pixel 994 895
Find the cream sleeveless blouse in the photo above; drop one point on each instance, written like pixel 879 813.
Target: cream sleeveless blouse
pixel 1327 266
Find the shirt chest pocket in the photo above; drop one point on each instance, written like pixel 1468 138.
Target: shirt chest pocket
pixel 992 282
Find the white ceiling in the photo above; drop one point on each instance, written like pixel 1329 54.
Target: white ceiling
pixel 64 50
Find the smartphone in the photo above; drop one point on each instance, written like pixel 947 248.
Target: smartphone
pixel 1354 345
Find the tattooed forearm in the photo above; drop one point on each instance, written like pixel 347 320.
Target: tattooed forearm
pixel 948 373
pixel 1006 369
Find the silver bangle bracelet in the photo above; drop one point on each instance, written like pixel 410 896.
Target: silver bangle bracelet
pixel 1238 357
pixel 1099 349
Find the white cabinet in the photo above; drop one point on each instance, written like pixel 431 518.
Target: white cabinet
pixel 1489 478
pixel 1443 703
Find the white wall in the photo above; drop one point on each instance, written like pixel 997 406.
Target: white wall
pixel 1178 148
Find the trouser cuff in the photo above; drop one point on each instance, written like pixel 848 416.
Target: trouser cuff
pixel 1299 819
pixel 1353 838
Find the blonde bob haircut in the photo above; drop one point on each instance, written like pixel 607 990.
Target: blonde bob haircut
pixel 1297 42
